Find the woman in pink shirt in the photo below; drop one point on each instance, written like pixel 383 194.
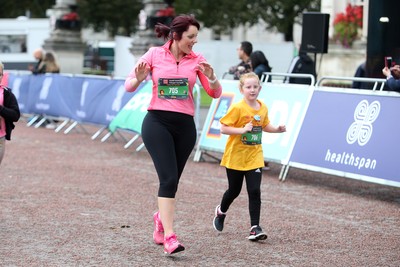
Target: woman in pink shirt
pixel 168 130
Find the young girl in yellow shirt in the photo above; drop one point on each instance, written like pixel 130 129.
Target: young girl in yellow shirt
pixel 243 157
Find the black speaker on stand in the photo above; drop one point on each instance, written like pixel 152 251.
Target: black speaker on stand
pixel 314 36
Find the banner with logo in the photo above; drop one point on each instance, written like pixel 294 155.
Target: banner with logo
pixel 355 135
pixel 287 104
pixel 84 99
pixel 20 87
pixel 48 95
pixel 132 114
pixel 101 100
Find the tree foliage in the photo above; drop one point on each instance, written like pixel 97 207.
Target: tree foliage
pixel 116 16
pixel 222 16
pixel 14 9
pixel 279 15
pixel 121 16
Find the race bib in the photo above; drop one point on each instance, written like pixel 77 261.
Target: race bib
pixel 176 88
pixel 254 137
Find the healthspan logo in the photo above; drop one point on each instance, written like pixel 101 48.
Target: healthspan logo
pixel 360 131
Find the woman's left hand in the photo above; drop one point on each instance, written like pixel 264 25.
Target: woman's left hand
pixel 207 70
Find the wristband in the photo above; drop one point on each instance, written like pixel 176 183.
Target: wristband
pixel 213 81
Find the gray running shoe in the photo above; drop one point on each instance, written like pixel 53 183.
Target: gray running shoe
pixel 256 233
pixel 219 219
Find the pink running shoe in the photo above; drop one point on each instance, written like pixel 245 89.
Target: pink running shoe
pixel 172 245
pixel 158 234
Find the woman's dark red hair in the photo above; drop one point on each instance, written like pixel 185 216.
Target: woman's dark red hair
pixel 179 25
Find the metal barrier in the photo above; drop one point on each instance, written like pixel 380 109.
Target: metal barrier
pixel 355 79
pixel 345 132
pixel 265 76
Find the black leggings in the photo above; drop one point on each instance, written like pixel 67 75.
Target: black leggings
pixel 253 183
pixel 169 137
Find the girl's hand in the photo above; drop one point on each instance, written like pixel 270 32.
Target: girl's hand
pixel 282 128
pixel 248 127
pixel 141 71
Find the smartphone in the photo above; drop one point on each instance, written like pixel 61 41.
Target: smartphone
pixel 388 62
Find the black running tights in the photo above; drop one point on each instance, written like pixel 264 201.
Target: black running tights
pixel 253 183
pixel 169 137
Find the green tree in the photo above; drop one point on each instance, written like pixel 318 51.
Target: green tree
pixel 121 16
pixel 279 15
pixel 221 16
pixel 116 16
pixel 35 8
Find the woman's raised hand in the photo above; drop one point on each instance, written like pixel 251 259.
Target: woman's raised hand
pixel 141 71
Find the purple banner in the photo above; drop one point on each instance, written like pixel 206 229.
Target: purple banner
pixel 83 99
pixel 352 133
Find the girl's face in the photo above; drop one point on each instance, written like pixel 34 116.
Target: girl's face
pixel 189 39
pixel 250 89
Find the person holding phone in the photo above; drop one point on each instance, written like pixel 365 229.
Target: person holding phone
pixel 392 75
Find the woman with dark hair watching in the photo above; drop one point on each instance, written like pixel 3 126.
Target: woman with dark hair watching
pixel 168 130
pixel 260 64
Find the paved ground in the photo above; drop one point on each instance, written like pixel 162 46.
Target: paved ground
pixel 67 200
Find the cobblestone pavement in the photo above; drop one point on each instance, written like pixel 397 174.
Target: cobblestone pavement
pixel 68 200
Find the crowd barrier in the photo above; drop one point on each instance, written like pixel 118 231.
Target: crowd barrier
pixel 83 99
pixel 345 132
pixel 132 114
pixel 284 107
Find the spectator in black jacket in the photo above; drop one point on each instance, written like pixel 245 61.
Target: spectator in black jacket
pixel 40 67
pixel 302 64
pixel 9 113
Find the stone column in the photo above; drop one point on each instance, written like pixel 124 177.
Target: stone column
pixel 65 38
pixel 145 37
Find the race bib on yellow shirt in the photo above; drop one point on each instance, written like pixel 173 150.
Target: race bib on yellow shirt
pixel 176 88
pixel 254 137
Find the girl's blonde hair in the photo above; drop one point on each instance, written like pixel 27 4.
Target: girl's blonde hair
pixel 248 75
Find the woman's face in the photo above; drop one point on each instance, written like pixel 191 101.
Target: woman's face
pixel 189 39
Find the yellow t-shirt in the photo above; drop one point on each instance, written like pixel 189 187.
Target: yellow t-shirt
pixel 237 155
